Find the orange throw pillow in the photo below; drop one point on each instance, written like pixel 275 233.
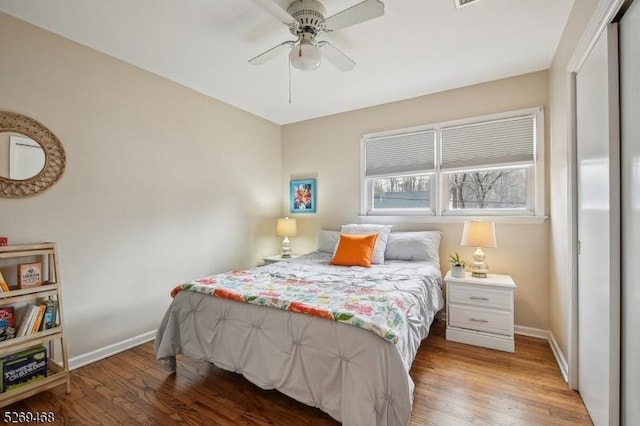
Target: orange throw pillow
pixel 354 250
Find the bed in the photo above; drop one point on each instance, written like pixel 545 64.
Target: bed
pixel 352 366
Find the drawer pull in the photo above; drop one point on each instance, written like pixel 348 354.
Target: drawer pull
pixel 478 320
pixel 478 298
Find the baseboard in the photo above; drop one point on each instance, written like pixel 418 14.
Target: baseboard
pixel 548 336
pixel 107 351
pixel 531 332
pixel 560 359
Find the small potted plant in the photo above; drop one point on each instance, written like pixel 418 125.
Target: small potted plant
pixel 457 265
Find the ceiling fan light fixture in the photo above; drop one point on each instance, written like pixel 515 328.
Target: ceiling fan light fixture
pixel 305 57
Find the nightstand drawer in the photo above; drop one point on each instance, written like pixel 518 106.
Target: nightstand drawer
pixel 480 319
pixel 479 297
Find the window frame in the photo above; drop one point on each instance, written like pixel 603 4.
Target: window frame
pixel 439 198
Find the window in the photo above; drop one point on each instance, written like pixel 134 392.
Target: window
pixel 399 171
pixel 483 166
pixel 491 189
pixel 402 192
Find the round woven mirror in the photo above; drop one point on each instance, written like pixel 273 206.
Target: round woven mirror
pixel 49 163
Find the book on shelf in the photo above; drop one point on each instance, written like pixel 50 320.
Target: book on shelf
pixel 4 287
pixel 50 313
pixel 38 319
pixel 7 323
pixel 29 274
pixel 28 317
pixel 54 318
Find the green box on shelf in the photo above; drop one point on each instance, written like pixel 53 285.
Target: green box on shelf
pixel 23 368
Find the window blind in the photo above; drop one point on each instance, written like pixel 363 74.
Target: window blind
pixel 400 154
pixel 489 143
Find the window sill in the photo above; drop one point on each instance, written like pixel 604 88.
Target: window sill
pixel 515 220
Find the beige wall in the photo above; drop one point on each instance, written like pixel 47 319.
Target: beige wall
pixel 560 245
pixel 328 149
pixel 162 184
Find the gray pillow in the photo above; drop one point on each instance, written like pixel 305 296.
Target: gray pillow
pixel 327 240
pixel 420 245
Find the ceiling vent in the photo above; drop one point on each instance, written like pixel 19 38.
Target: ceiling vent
pixel 461 3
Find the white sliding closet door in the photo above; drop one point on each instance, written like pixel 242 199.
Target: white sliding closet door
pixel 598 164
pixel 630 150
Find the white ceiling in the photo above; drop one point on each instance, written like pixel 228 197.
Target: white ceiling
pixel 418 47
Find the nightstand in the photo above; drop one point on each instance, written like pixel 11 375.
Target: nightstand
pixel 480 311
pixel 276 258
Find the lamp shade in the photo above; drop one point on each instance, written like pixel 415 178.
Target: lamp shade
pixel 478 233
pixel 286 227
pixel 305 56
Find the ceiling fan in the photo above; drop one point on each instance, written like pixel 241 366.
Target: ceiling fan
pixel 306 20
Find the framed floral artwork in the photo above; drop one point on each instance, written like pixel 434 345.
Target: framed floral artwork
pixel 302 196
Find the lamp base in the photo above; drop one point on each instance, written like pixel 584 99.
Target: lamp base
pixel 479 274
pixel 285 249
pixel 479 268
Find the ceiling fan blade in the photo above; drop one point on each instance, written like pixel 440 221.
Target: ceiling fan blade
pixel 276 11
pixel 336 57
pixel 361 12
pixel 271 53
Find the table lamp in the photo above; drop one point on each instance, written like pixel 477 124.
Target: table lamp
pixel 286 228
pixel 479 234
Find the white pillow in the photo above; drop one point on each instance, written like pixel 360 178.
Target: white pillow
pixel 327 240
pixel 383 231
pixel 421 245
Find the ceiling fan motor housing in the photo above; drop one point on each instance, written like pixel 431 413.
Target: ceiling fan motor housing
pixel 310 16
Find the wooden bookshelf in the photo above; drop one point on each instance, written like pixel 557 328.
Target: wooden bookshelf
pixel 54 338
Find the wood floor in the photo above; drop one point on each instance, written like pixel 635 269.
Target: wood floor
pixel 456 384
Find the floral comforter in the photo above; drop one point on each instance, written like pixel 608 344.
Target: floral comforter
pixel 350 373
pixel 377 299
